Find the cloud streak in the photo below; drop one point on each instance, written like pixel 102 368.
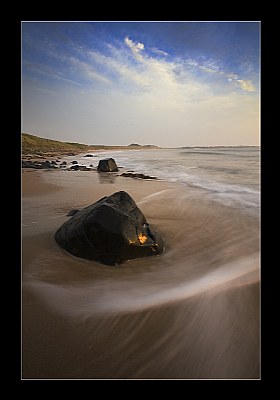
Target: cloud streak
pixel 88 71
pixel 136 48
pixel 158 51
pixel 46 71
pixel 212 68
pixel 132 65
pixel 247 86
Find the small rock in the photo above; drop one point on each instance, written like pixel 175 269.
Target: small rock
pixel 137 176
pixel 77 167
pixel 107 165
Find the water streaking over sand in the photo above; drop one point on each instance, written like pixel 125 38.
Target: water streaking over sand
pixel 105 297
pixel 228 174
pixel 192 312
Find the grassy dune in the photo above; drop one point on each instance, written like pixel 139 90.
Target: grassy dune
pixel 32 144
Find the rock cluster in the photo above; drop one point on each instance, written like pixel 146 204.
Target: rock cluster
pixel 38 164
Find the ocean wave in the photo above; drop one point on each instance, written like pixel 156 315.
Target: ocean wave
pixel 234 180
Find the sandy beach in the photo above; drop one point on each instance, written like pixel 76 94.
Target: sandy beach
pixel 169 113
pixel 190 313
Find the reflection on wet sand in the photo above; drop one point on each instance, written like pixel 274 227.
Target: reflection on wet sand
pixel 107 177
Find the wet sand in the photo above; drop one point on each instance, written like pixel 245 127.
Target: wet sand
pixel 33 185
pixel 191 313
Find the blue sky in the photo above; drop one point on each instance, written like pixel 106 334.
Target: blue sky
pixel 164 83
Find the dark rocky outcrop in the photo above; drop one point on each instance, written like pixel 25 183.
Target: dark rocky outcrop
pixel 75 167
pixel 78 167
pixel 31 164
pixel 107 165
pixel 110 231
pixel 38 164
pixel 137 176
pixel 88 155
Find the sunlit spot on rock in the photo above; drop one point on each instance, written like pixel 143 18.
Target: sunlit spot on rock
pixel 142 238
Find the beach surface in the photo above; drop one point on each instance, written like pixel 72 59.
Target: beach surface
pixel 190 313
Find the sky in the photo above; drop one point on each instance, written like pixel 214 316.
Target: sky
pixel 170 84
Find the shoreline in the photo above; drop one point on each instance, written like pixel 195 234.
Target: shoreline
pixel 44 155
pixel 81 320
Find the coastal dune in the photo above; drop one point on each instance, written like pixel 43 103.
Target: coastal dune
pixel 190 313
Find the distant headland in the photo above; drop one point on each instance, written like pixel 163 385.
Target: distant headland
pixel 32 144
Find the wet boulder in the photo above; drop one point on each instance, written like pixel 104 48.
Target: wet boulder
pixel 107 165
pixel 110 231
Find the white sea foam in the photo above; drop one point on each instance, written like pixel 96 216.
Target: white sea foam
pixel 109 297
pixel 228 175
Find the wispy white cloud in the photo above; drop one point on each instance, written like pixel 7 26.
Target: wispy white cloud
pixel 139 86
pixel 231 76
pixel 136 48
pixel 245 85
pixel 158 51
pixel 163 80
pixel 155 78
pixel 87 70
pixel 118 65
pixel 47 71
pixel 130 64
pixel 211 67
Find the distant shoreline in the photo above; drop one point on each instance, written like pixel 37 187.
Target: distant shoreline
pixel 37 146
pixel 32 145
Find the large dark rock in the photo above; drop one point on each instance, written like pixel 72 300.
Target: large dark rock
pixel 31 164
pixel 107 165
pixel 110 231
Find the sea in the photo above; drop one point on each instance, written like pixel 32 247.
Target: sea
pixel 230 175
pixel 191 313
